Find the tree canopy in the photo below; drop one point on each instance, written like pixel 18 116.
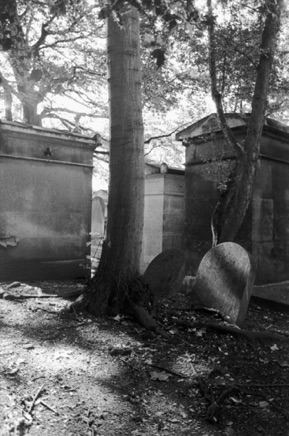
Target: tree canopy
pixel 53 65
pixel 50 50
pixel 235 52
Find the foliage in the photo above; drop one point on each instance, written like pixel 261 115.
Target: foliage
pixel 53 61
pixel 180 30
pixel 234 201
pixel 49 49
pixel 236 44
pixel 56 48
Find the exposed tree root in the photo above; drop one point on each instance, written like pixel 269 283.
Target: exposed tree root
pixel 215 402
pixel 107 296
pixel 169 371
pixel 216 399
pixel 142 316
pixel 225 329
pixel 94 299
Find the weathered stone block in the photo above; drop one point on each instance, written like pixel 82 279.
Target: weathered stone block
pixel 174 204
pixel 262 219
pixel 174 184
pixel 45 177
pixel 277 292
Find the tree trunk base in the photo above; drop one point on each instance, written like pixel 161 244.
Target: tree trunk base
pixel 93 300
pixel 129 297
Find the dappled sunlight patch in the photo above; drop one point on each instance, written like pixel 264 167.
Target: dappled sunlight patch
pixel 60 358
pixel 112 376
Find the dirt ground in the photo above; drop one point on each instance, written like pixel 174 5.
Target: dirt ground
pixel 76 375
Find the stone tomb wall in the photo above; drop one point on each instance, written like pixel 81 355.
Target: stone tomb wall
pixel 45 213
pixel 265 230
pixel 270 221
pixel 163 215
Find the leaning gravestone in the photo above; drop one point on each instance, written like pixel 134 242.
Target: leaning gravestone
pixel 165 274
pixel 225 280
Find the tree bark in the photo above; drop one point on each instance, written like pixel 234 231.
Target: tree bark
pixel 8 105
pixel 117 281
pixel 233 203
pixel 8 99
pixel 126 192
pixel 29 106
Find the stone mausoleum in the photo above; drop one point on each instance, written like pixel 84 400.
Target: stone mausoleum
pixel 265 230
pixel 45 214
pixel 163 211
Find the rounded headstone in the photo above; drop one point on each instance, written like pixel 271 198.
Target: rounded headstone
pixel 225 280
pixel 166 273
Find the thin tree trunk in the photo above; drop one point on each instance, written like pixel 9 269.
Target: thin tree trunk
pixel 21 60
pixel 28 96
pixel 233 204
pixel 30 115
pixel 7 99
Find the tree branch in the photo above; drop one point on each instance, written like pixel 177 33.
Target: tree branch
pixel 87 71
pixel 152 138
pixel 99 157
pixel 217 97
pixel 69 125
pixel 102 152
pixel 259 102
pixel 41 40
pixel 61 41
pixel 70 111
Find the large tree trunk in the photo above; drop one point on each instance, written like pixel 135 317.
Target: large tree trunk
pixel 126 189
pixel 233 204
pixel 117 281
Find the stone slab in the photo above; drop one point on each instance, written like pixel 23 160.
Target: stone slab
pixel 225 279
pixel 277 292
pixel 166 273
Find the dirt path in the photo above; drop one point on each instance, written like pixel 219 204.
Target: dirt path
pixel 68 375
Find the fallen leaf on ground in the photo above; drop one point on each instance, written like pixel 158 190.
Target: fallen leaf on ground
pixel 160 376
